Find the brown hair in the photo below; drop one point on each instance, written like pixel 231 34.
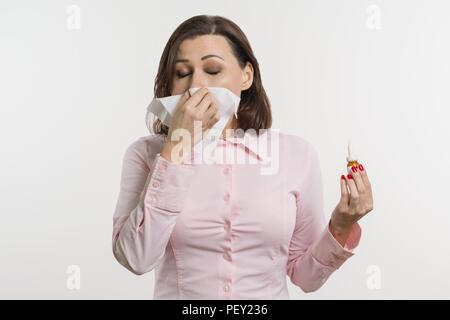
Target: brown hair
pixel 254 108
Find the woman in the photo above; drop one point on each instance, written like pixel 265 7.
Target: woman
pixel 226 231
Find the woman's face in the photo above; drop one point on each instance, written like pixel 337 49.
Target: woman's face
pixel 208 61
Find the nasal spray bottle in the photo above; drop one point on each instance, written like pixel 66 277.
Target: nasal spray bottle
pixel 351 158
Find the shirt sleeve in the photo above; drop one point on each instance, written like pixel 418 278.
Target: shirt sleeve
pixel 150 199
pixel 314 254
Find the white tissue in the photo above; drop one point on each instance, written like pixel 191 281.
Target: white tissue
pixel 228 104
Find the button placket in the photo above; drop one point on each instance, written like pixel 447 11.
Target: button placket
pixel 227 225
pixel 227 255
pixel 225 285
pixel 228 264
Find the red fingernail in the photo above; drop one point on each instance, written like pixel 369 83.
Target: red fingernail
pixel 349 176
pixel 342 177
pixel 361 167
pixel 354 169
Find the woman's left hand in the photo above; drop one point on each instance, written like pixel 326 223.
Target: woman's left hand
pixel 353 205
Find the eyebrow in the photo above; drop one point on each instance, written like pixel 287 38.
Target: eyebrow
pixel 203 58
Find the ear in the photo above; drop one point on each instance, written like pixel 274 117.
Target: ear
pixel 247 77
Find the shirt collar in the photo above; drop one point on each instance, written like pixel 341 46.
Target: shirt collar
pixel 253 143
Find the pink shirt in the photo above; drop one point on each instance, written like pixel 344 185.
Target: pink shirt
pixel 225 230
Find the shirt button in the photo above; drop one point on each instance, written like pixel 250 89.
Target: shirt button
pixel 227 256
pixel 226 197
pixel 227 225
pixel 155 184
pixel 226 288
pixel 226 170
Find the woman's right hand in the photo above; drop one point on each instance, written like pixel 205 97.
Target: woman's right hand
pixel 201 106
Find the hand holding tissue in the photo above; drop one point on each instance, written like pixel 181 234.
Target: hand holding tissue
pixel 227 104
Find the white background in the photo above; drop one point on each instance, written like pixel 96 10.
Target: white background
pixel 72 101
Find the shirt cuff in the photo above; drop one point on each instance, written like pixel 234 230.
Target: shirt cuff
pixel 330 252
pixel 353 238
pixel 168 185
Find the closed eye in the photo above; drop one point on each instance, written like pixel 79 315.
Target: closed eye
pixel 182 75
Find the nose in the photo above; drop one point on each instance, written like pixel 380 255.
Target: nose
pixel 199 80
